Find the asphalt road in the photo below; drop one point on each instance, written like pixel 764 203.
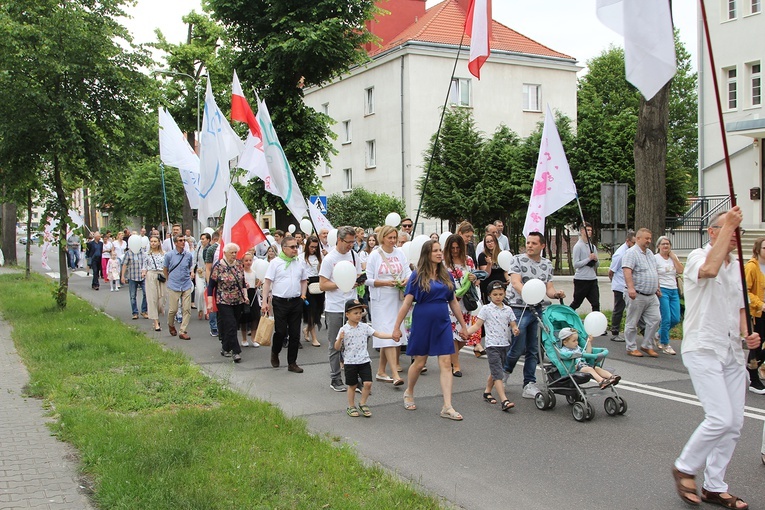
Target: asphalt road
pixel 523 459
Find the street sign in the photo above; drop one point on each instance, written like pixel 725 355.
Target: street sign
pixel 613 203
pixel 320 201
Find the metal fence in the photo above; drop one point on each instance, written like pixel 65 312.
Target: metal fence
pixel 689 231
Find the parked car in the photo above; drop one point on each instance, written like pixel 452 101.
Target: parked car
pixel 35 236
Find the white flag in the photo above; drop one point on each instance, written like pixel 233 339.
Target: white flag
pixel 218 145
pixel 76 218
pixel 553 186
pixel 280 178
pixel 319 220
pixel 649 43
pixel 175 151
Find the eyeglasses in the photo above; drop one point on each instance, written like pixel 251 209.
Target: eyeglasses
pixel 407 225
pixel 346 241
pixel 180 240
pixel 291 247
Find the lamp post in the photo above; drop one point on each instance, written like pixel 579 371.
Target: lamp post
pixel 196 85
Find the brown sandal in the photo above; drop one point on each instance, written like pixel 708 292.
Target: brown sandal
pixel 684 491
pixel 717 498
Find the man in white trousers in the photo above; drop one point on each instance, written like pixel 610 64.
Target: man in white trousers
pixel 715 323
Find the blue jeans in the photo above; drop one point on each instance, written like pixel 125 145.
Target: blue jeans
pixel 133 289
pixel 669 306
pixel 213 322
pixel 74 257
pixel 526 343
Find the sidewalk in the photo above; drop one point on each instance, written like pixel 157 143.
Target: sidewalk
pixel 36 469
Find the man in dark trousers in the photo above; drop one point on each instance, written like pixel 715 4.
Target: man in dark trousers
pixel 94 250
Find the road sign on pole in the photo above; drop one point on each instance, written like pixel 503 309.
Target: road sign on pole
pixel 320 201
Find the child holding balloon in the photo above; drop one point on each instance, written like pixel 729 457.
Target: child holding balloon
pixel 571 351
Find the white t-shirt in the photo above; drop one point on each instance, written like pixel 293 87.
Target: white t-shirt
pixel 496 323
pixel 335 299
pixel 667 272
pixel 355 343
pixel 712 308
pixel 286 281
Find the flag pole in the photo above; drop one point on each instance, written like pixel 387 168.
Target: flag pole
pixel 727 166
pixel 164 192
pixel 438 133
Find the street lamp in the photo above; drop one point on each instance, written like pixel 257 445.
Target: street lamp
pixel 196 85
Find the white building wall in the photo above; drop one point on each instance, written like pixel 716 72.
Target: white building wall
pixel 737 43
pixel 497 98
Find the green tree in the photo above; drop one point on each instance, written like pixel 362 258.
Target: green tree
pixel 72 97
pixel 280 47
pixel 362 208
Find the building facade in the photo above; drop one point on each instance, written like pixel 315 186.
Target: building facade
pixel 386 111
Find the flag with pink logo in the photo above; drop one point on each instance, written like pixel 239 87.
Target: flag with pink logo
pixel 553 185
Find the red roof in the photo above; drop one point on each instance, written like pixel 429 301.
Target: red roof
pixel 444 23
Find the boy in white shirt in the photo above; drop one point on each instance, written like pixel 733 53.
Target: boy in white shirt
pixel 496 319
pixel 358 365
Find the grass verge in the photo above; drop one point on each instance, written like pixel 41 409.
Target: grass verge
pixel 154 432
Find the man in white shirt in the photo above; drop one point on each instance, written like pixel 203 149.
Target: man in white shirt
pixel 325 247
pixel 334 304
pixel 715 322
pixel 504 242
pixel 618 287
pixel 167 244
pixel 285 287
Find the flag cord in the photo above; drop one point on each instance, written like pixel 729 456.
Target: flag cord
pixel 727 166
pixel 438 134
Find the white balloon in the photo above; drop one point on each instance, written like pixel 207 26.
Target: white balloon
pixel 135 243
pixel 393 219
pixel 144 242
pixel 209 231
pixel 291 228
pixel 332 238
pixel 595 323
pixel 534 291
pixel 406 248
pixel 442 239
pixel 306 226
pixel 260 266
pixel 504 259
pixel 416 247
pixel 344 275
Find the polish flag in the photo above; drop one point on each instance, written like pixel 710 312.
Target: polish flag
pixel 240 108
pixel 478 28
pixel 240 226
pixel 253 159
pixel 553 185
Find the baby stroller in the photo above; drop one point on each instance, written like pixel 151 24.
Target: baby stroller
pixel 560 375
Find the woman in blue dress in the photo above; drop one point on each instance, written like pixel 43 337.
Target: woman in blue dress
pixel 432 288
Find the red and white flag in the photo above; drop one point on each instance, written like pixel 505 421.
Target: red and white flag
pixel 253 158
pixel 553 185
pixel 649 42
pixel 240 226
pixel 478 28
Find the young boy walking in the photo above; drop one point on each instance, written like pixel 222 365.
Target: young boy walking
pixel 358 365
pixel 496 318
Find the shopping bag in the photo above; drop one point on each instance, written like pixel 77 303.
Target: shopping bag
pixel 265 331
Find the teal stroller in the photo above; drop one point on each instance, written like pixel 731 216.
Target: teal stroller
pixel 561 377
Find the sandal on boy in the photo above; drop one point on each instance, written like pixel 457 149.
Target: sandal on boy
pixel 507 405
pixel 488 398
pixel 352 412
pixel 717 498
pixel 687 494
pixel 365 412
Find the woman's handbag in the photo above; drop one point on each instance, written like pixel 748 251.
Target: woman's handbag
pixel 265 331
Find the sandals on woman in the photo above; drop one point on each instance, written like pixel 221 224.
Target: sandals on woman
pixel 488 398
pixel 409 402
pixel 507 405
pixel 686 493
pixel 450 414
pixel 717 498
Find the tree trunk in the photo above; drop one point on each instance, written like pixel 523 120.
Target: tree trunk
pixel 651 162
pixel 28 246
pixel 9 232
pixel 86 209
pixel 558 249
pixel 569 249
pixel 61 208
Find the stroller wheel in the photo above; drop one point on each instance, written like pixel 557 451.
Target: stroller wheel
pixel 590 412
pixel 578 411
pixel 622 405
pixel 611 406
pixel 551 397
pixel 571 399
pixel 542 401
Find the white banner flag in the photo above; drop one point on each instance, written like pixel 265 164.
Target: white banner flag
pixel 319 220
pixel 553 186
pixel 175 151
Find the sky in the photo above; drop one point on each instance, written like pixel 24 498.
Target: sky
pixel 567 26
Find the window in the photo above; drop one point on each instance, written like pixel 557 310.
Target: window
pixel 369 101
pixel 348 174
pixel 325 108
pixel 755 77
pixel 732 88
pixel 730 7
pixel 371 154
pixel 325 169
pixel 459 93
pixel 756 7
pixel 531 97
pixel 346 131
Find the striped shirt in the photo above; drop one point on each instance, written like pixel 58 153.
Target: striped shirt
pixel 133 264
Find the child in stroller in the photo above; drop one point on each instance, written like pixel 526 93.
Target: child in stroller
pixel 571 353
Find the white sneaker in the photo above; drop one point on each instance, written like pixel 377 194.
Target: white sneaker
pixel 245 343
pixel 254 344
pixel 530 390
